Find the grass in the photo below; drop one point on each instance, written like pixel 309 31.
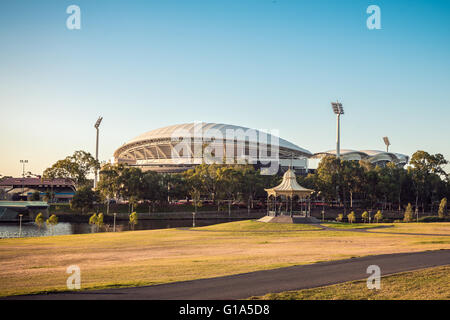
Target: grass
pixel 31 265
pixel 414 227
pixel 253 226
pixel 426 284
pixel 345 225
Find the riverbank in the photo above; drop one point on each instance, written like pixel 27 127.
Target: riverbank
pixel 219 215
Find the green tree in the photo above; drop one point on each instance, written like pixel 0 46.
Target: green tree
pixel 52 222
pixel 365 216
pixel 85 199
pixel 75 167
pixel 109 184
pixel 442 212
pixel 39 220
pixel 93 220
pixel 408 216
pixel 36 196
pixel 424 167
pixel 378 216
pixel 133 220
pixel 100 222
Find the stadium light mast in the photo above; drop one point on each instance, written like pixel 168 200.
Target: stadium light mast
pixel 96 126
pixel 23 162
pixel 338 110
pixel 387 143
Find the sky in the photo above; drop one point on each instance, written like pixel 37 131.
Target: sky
pixel 264 64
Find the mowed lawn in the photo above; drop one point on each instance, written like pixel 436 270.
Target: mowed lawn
pixel 425 284
pixel 30 265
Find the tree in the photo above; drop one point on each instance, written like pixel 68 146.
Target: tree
pixel 424 167
pixel 365 216
pixel 442 212
pixel 408 216
pixel 378 216
pixel 93 220
pixel 133 219
pixel 351 217
pixel 52 222
pixel 84 199
pixel 36 196
pixel 76 167
pixel 109 185
pixel 340 217
pixel 39 220
pixel 100 222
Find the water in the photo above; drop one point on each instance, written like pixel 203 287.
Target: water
pixel 30 229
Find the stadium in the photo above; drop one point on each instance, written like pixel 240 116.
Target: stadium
pixel 181 147
pixel 376 157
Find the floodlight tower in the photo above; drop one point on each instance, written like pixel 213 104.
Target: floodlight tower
pixel 338 110
pixel 387 143
pixel 96 126
pixel 23 162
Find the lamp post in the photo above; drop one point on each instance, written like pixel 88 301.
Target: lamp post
pixel 20 225
pixel 96 126
pixel 23 173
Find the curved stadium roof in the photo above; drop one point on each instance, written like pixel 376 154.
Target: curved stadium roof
pixel 372 155
pixel 207 129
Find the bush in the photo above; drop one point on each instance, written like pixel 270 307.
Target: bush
pixel 408 214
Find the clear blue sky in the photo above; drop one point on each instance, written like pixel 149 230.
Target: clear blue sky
pixel 256 63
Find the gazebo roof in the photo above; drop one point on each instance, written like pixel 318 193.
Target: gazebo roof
pixel 289 187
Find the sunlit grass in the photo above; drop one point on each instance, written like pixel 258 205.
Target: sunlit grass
pixel 148 257
pixel 426 284
pixel 345 225
pixel 253 225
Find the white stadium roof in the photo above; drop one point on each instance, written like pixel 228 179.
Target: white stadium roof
pixel 208 129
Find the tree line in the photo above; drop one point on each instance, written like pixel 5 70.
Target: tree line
pixel 344 184
pixel 423 183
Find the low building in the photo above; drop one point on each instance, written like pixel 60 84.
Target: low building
pixel 59 190
pixel 11 210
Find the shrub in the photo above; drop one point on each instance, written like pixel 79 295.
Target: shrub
pixel 442 212
pixel 351 217
pixel 378 216
pixel 408 213
pixel 365 216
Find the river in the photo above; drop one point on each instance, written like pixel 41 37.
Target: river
pixel 30 229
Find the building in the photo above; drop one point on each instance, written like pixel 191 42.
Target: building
pixel 11 210
pixel 63 190
pixel 180 147
pixel 376 157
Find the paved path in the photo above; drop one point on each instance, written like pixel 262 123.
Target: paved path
pixel 257 283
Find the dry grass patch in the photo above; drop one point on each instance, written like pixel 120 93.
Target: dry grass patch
pixel 158 256
pixel 426 284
